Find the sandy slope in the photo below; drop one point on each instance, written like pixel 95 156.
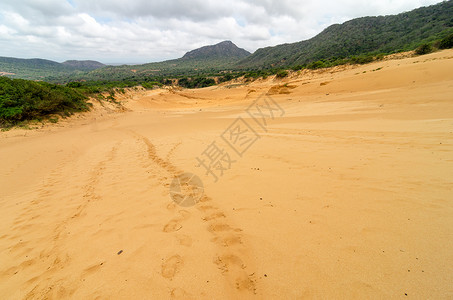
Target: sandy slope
pixel 348 195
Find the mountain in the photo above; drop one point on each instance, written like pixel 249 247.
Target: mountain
pixel 83 65
pixel 37 68
pixel 368 35
pixel 225 49
pixel 212 58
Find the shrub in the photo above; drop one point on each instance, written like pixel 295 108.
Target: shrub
pixel 316 65
pixel 196 82
pixel 74 84
pixel 363 59
pixel 53 120
pixel 446 42
pixel 424 49
pixel 151 84
pixel 282 74
pixel 26 100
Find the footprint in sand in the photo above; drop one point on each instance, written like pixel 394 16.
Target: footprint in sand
pixel 171 266
pixel 234 266
pixel 227 261
pixel 172 226
pixel 175 224
pixel 218 227
pixel 205 208
pixel 228 240
pixel 214 216
pixel 178 293
pixel 184 240
pixel 171 206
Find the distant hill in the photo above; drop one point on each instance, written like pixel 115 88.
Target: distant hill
pixel 83 65
pixel 212 58
pixel 383 34
pixel 37 68
pixel 225 49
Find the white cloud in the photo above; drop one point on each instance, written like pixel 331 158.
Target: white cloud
pixel 142 30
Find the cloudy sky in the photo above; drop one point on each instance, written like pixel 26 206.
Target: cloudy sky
pixel 139 31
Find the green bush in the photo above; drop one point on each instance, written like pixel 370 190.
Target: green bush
pixel 297 68
pixel 196 82
pixel 282 74
pixel 362 59
pixel 446 42
pixel 316 65
pixel 424 49
pixel 26 100
pixel 74 84
pixel 151 84
pixel 53 120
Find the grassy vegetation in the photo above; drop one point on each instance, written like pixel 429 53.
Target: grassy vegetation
pixel 22 100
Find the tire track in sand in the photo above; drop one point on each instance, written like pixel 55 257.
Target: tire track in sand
pixel 55 288
pixel 42 256
pixel 229 258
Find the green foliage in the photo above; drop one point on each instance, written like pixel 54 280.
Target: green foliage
pixel 152 84
pixel 196 82
pixel 282 74
pixel 53 119
pixel 74 84
pixel 298 67
pixel 446 42
pixel 424 49
pixel 361 59
pixel 316 65
pixel 26 100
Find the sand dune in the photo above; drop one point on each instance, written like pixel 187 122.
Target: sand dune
pixel 347 195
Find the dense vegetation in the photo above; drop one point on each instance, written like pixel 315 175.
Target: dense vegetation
pixel 361 37
pixel 27 100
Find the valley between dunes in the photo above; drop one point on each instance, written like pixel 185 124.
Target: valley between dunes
pixel 347 192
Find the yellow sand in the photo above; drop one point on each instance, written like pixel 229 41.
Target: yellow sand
pixel 348 195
